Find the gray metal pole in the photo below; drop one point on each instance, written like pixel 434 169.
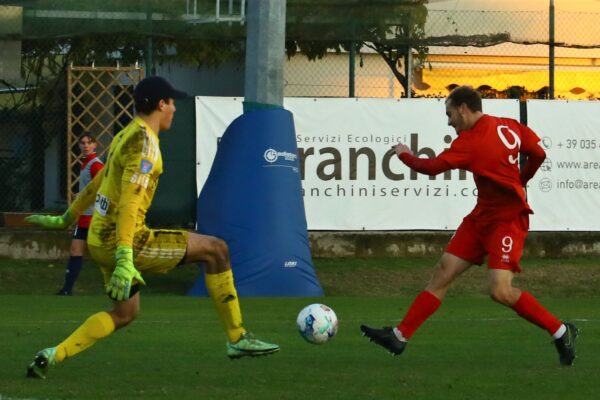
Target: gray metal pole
pixel 149 56
pixel 409 73
pixel 265 52
pixel 351 69
pixel 551 43
pixel 408 63
pixel 149 53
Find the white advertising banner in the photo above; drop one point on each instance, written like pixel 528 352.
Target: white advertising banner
pixel 565 192
pixel 350 177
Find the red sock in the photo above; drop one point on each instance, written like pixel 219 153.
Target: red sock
pixel 422 307
pixel 529 308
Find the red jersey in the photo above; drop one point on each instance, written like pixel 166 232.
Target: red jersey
pixel 491 150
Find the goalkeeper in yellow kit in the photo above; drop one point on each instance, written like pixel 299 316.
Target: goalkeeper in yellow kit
pixel 124 247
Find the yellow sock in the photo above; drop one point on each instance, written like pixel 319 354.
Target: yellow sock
pixel 96 327
pixel 221 290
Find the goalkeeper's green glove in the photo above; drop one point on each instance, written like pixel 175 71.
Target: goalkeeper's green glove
pixel 119 284
pixel 52 221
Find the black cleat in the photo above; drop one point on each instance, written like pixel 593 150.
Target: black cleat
pixel 63 292
pixel 565 345
pixel 385 338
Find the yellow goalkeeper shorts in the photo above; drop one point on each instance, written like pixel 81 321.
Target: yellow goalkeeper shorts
pixel 154 250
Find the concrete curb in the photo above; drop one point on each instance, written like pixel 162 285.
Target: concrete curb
pixel 51 245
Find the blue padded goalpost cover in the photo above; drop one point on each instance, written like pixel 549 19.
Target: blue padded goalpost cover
pixel 253 200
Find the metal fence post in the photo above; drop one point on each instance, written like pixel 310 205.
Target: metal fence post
pixel 551 43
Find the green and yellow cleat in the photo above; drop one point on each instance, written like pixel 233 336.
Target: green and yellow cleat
pixel 249 346
pixel 40 364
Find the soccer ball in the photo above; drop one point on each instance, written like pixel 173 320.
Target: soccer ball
pixel 317 323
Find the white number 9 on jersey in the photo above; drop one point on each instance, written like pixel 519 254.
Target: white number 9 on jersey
pixel 503 130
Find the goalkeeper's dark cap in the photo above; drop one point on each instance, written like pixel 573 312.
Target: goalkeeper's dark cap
pixel 154 88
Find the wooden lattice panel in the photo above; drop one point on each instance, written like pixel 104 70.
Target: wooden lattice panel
pixel 100 102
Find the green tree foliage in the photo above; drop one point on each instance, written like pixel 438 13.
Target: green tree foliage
pixel 392 28
pixel 104 32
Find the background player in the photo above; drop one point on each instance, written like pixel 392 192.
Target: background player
pixel 490 148
pixel 90 166
pixel 123 246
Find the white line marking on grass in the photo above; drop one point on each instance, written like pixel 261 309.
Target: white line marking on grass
pixel 507 319
pixel 444 319
pixel 345 320
pixel 80 321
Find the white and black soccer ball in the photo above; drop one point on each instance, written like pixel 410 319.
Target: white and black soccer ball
pixel 317 323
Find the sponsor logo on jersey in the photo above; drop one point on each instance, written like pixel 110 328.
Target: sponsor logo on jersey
pixel 146 166
pixel 142 180
pixel 102 204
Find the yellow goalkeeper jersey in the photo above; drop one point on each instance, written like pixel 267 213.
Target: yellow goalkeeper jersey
pixel 125 188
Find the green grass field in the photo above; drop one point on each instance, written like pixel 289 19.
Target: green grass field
pixel 470 349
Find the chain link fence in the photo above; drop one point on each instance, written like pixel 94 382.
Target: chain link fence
pixel 376 54
pixel 504 54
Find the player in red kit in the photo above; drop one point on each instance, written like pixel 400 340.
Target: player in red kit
pixel 490 148
pixel 90 166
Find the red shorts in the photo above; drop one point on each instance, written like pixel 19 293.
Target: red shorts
pixel 502 241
